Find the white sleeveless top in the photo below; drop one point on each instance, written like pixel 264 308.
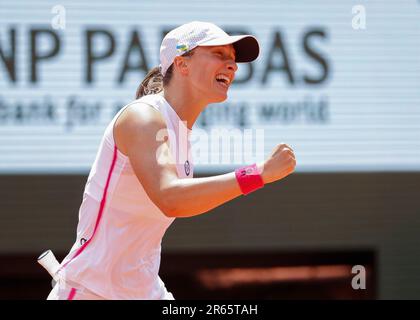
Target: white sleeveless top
pixel 122 259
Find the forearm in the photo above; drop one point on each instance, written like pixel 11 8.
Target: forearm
pixel 190 197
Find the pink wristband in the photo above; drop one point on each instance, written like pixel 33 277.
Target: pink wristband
pixel 249 179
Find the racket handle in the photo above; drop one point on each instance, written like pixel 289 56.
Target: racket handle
pixel 50 263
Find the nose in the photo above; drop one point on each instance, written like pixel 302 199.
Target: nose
pixel 231 65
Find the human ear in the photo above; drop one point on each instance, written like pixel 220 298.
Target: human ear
pixel 181 65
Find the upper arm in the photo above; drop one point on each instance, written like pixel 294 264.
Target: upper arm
pixel 142 132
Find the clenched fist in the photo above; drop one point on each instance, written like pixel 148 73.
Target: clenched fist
pixel 279 164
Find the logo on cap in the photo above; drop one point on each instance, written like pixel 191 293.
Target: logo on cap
pixel 182 48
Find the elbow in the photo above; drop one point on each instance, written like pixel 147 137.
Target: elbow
pixel 168 210
pixel 164 200
pixel 173 203
pixel 177 209
pixel 168 206
pixel 173 206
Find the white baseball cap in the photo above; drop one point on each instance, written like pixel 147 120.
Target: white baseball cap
pixel 193 34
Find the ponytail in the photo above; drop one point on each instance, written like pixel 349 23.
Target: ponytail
pixel 152 83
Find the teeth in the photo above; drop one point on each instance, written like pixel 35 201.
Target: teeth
pixel 223 77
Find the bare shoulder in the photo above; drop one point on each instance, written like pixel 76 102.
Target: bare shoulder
pixel 136 124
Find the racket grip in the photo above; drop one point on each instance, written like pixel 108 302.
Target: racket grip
pixel 50 263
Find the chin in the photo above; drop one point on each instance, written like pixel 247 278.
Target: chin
pixel 220 98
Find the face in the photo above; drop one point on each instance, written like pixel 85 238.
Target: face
pixel 211 71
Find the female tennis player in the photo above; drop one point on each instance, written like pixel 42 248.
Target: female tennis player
pixel 142 177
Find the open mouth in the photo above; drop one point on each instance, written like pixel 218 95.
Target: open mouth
pixel 223 80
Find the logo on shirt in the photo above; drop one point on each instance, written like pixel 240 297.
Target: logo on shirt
pixel 187 168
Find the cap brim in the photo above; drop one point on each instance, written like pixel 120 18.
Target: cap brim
pixel 246 47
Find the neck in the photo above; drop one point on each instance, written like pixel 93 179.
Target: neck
pixel 186 104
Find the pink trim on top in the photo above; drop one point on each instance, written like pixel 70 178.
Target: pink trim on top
pixel 101 209
pixel 71 294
